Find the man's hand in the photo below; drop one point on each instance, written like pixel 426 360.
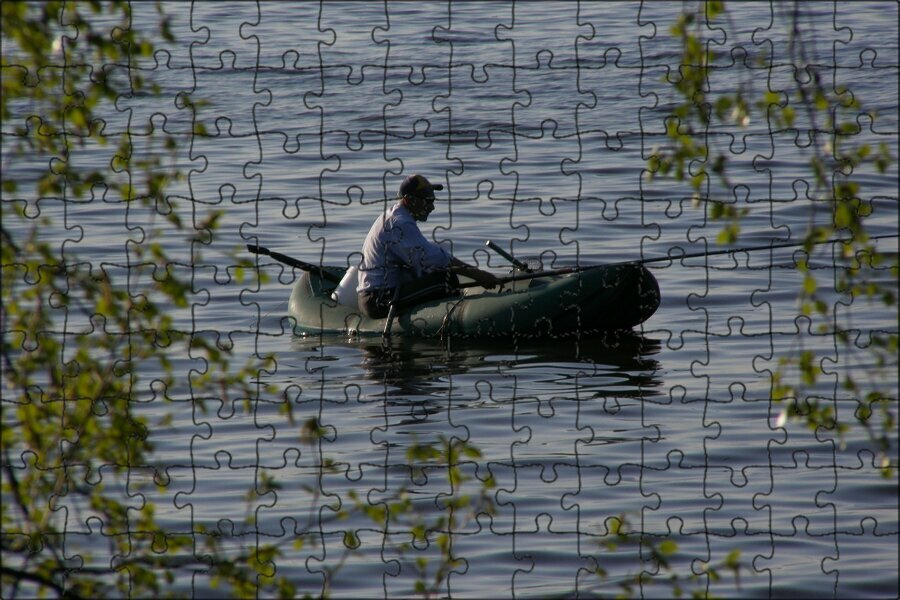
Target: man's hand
pixel 482 278
pixel 485 279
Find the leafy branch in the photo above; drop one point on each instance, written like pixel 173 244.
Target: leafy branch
pixel 836 158
pixel 76 340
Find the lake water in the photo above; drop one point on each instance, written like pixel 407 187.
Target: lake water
pixel 538 118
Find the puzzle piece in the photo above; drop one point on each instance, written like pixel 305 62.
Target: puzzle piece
pixel 649 462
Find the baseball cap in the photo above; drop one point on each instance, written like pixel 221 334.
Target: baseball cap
pixel 419 187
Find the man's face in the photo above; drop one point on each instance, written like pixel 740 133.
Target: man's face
pixel 420 207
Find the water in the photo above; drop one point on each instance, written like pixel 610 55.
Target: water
pixel 539 130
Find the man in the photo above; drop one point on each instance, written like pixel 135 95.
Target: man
pixel 399 264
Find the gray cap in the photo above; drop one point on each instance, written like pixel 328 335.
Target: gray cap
pixel 418 187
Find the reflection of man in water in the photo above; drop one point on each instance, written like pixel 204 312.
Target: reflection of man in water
pixel 397 255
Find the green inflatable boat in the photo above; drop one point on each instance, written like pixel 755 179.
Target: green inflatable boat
pixel 579 303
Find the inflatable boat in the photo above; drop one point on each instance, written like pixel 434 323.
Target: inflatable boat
pixel 565 303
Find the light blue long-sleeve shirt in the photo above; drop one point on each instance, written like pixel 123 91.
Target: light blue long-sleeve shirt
pixel 395 251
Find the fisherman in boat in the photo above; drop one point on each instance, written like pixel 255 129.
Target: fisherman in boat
pixel 399 266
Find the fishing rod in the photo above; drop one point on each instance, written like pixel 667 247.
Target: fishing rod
pixel 749 249
pixel 670 257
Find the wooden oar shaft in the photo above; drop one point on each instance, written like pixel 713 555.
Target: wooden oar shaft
pixel 293 262
pixel 515 262
pixel 533 275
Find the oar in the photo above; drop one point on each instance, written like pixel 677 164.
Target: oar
pixel 533 275
pixel 515 262
pixel 293 262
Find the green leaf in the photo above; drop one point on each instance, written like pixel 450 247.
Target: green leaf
pixel 809 285
pixel 351 540
pixel 732 559
pixel 668 547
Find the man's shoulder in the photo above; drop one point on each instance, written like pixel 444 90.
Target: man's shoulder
pixel 399 215
pixel 387 219
pixel 398 211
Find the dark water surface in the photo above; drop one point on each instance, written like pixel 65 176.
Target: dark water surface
pixel 538 117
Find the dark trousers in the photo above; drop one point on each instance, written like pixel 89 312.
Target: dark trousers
pixel 438 284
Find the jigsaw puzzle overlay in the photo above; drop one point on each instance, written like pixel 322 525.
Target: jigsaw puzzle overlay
pixel 648 462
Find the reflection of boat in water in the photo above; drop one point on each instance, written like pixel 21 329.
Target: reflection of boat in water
pixel 555 304
pixel 619 364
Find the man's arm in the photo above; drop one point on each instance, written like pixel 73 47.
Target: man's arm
pixel 482 278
